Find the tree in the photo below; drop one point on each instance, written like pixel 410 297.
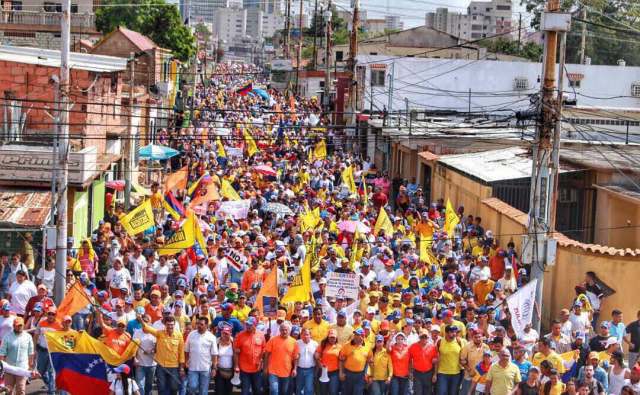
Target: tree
pixel 530 51
pixel 156 19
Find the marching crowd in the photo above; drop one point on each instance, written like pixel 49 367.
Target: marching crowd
pixel 429 317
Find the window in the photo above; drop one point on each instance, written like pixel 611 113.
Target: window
pixel 373 53
pixel 503 8
pixel 574 84
pixel 635 89
pixel 74 8
pixel 377 77
pixel 520 84
pixel 339 56
pixel 52 7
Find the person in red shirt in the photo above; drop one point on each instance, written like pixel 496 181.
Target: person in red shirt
pixel 41 298
pixel 423 356
pixel 379 198
pixel 115 338
pixel 247 357
pixel 399 354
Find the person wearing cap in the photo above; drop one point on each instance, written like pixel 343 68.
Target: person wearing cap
pixel 154 308
pixel 122 383
pixel 117 277
pixel 201 357
pixel 43 360
pixel 341 327
pixel 380 368
pixel 169 355
pixel 580 319
pixel 280 360
pixel 227 317
pixel 328 355
pixel 318 326
pixel 482 288
pixel 503 376
pixel 470 356
pixel 116 338
pixel 20 292
pixel 248 347
pixel 448 368
pixel 241 310
pixel 546 353
pixel 17 350
pixel 353 363
pixel 41 297
pixel 399 353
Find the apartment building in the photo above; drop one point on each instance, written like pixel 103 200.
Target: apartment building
pixel 483 19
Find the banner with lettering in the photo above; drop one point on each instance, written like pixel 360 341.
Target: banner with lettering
pixel 238 209
pixel 236 259
pixel 139 219
pixel 521 306
pixel 346 285
pixel 184 238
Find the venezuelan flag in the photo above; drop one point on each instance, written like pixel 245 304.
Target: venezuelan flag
pixel 81 362
pixel 173 206
pixel 245 89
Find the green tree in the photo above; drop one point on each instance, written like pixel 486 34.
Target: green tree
pixel 530 51
pixel 156 19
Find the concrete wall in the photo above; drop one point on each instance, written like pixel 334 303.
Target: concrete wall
pixel 116 44
pixel 460 189
pixel 615 212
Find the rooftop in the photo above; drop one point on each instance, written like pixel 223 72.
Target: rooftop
pixel 51 58
pixel 24 207
pixel 141 41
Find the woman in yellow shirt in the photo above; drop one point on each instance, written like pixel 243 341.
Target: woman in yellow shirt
pixel 353 362
pixel 380 368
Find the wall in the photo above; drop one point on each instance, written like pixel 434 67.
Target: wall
pixel 116 44
pixel 461 190
pixel 616 211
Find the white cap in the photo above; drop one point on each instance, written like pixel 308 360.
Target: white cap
pixel 435 328
pixel 611 341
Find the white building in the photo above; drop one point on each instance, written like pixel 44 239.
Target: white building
pixel 230 23
pixel 261 25
pixel 295 21
pixel 498 87
pixel 393 22
pixel 444 20
pixel 483 19
pixel 375 26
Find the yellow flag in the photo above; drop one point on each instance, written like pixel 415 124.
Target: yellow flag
pixel 221 152
pixel 184 238
pixel 139 219
pixel 348 180
pixel 383 223
pixel 354 250
pixel 320 150
pixel 300 288
pixel 451 219
pixel 425 243
pixel 228 192
pixel 310 219
pixel 365 194
pixel 252 148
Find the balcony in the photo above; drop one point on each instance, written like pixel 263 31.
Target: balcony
pixel 45 21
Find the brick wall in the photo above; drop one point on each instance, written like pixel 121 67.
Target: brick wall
pixel 116 44
pixel 95 98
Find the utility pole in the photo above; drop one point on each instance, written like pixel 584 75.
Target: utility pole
pixel 128 168
pixel 539 246
pixel 59 288
pixel 390 97
pixel 315 34
pixel 327 57
pixel 353 54
pixel 287 28
pixel 519 30
pixel 299 52
pixel 583 35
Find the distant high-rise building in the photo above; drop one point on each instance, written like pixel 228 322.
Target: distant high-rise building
pixel 196 11
pixel 444 21
pixel 483 19
pixel 393 22
pixel 230 24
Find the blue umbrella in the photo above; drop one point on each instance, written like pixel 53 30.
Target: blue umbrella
pixel 157 152
pixel 262 93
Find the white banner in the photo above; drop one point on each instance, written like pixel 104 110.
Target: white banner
pixel 234 152
pixel 238 209
pixel 346 285
pixel 521 306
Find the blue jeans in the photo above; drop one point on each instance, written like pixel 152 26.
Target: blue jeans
pixel 278 385
pixel 46 370
pixel 399 385
pixel 304 381
pixel 168 380
pixel 333 386
pixel 251 383
pixel 144 378
pixel 422 384
pixel 466 386
pixel 78 321
pixel 448 384
pixel 353 383
pixel 198 382
pixel 378 387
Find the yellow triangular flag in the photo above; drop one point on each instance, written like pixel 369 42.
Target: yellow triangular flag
pixel 227 191
pixel 383 223
pixel 300 288
pixel 252 148
pixel 451 219
pixel 139 219
pixel 348 180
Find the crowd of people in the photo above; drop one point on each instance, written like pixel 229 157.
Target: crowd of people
pixel 430 316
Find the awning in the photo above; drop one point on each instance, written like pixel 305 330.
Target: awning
pixel 25 207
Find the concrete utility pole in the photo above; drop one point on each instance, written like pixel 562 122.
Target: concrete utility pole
pixel 353 54
pixel 539 246
pixel 390 94
pixel 299 49
pixel 315 34
pixel 327 58
pixel 129 136
pixel 583 35
pixel 62 136
pixel 287 28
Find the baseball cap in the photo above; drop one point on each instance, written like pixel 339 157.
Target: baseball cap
pixel 342 313
pixel 611 341
pixel 379 338
pixel 18 321
pixel 124 368
pixel 359 332
pixel 251 321
pixel 140 310
pixel 37 307
pixel 435 328
pixel 304 313
pixel 66 318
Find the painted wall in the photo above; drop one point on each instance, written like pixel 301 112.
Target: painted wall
pixel 461 190
pixel 617 220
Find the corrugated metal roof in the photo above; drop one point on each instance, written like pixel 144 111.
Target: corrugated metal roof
pixel 491 166
pixel 141 41
pixel 51 58
pixel 25 207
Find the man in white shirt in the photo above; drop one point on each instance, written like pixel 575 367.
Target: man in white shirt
pixel 138 266
pixel 199 269
pixel 580 321
pixel 306 362
pixel 201 355
pixel 388 275
pixel 20 292
pixel 366 274
pixel 145 364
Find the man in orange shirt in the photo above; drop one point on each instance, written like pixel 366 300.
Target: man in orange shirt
pixel 280 358
pixel 154 307
pixel 423 356
pixel 247 354
pixel 115 338
pixel 252 276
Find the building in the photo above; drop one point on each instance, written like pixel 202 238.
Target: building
pixel 97 123
pixel 296 21
pixel 393 22
pixel 492 86
pixel 200 11
pixel 261 25
pixel 444 21
pixel 267 6
pixel 374 26
pixel 230 24
pixel 155 71
pixel 36 23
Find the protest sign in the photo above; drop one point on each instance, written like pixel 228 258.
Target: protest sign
pixel 521 306
pixel 238 209
pixel 346 285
